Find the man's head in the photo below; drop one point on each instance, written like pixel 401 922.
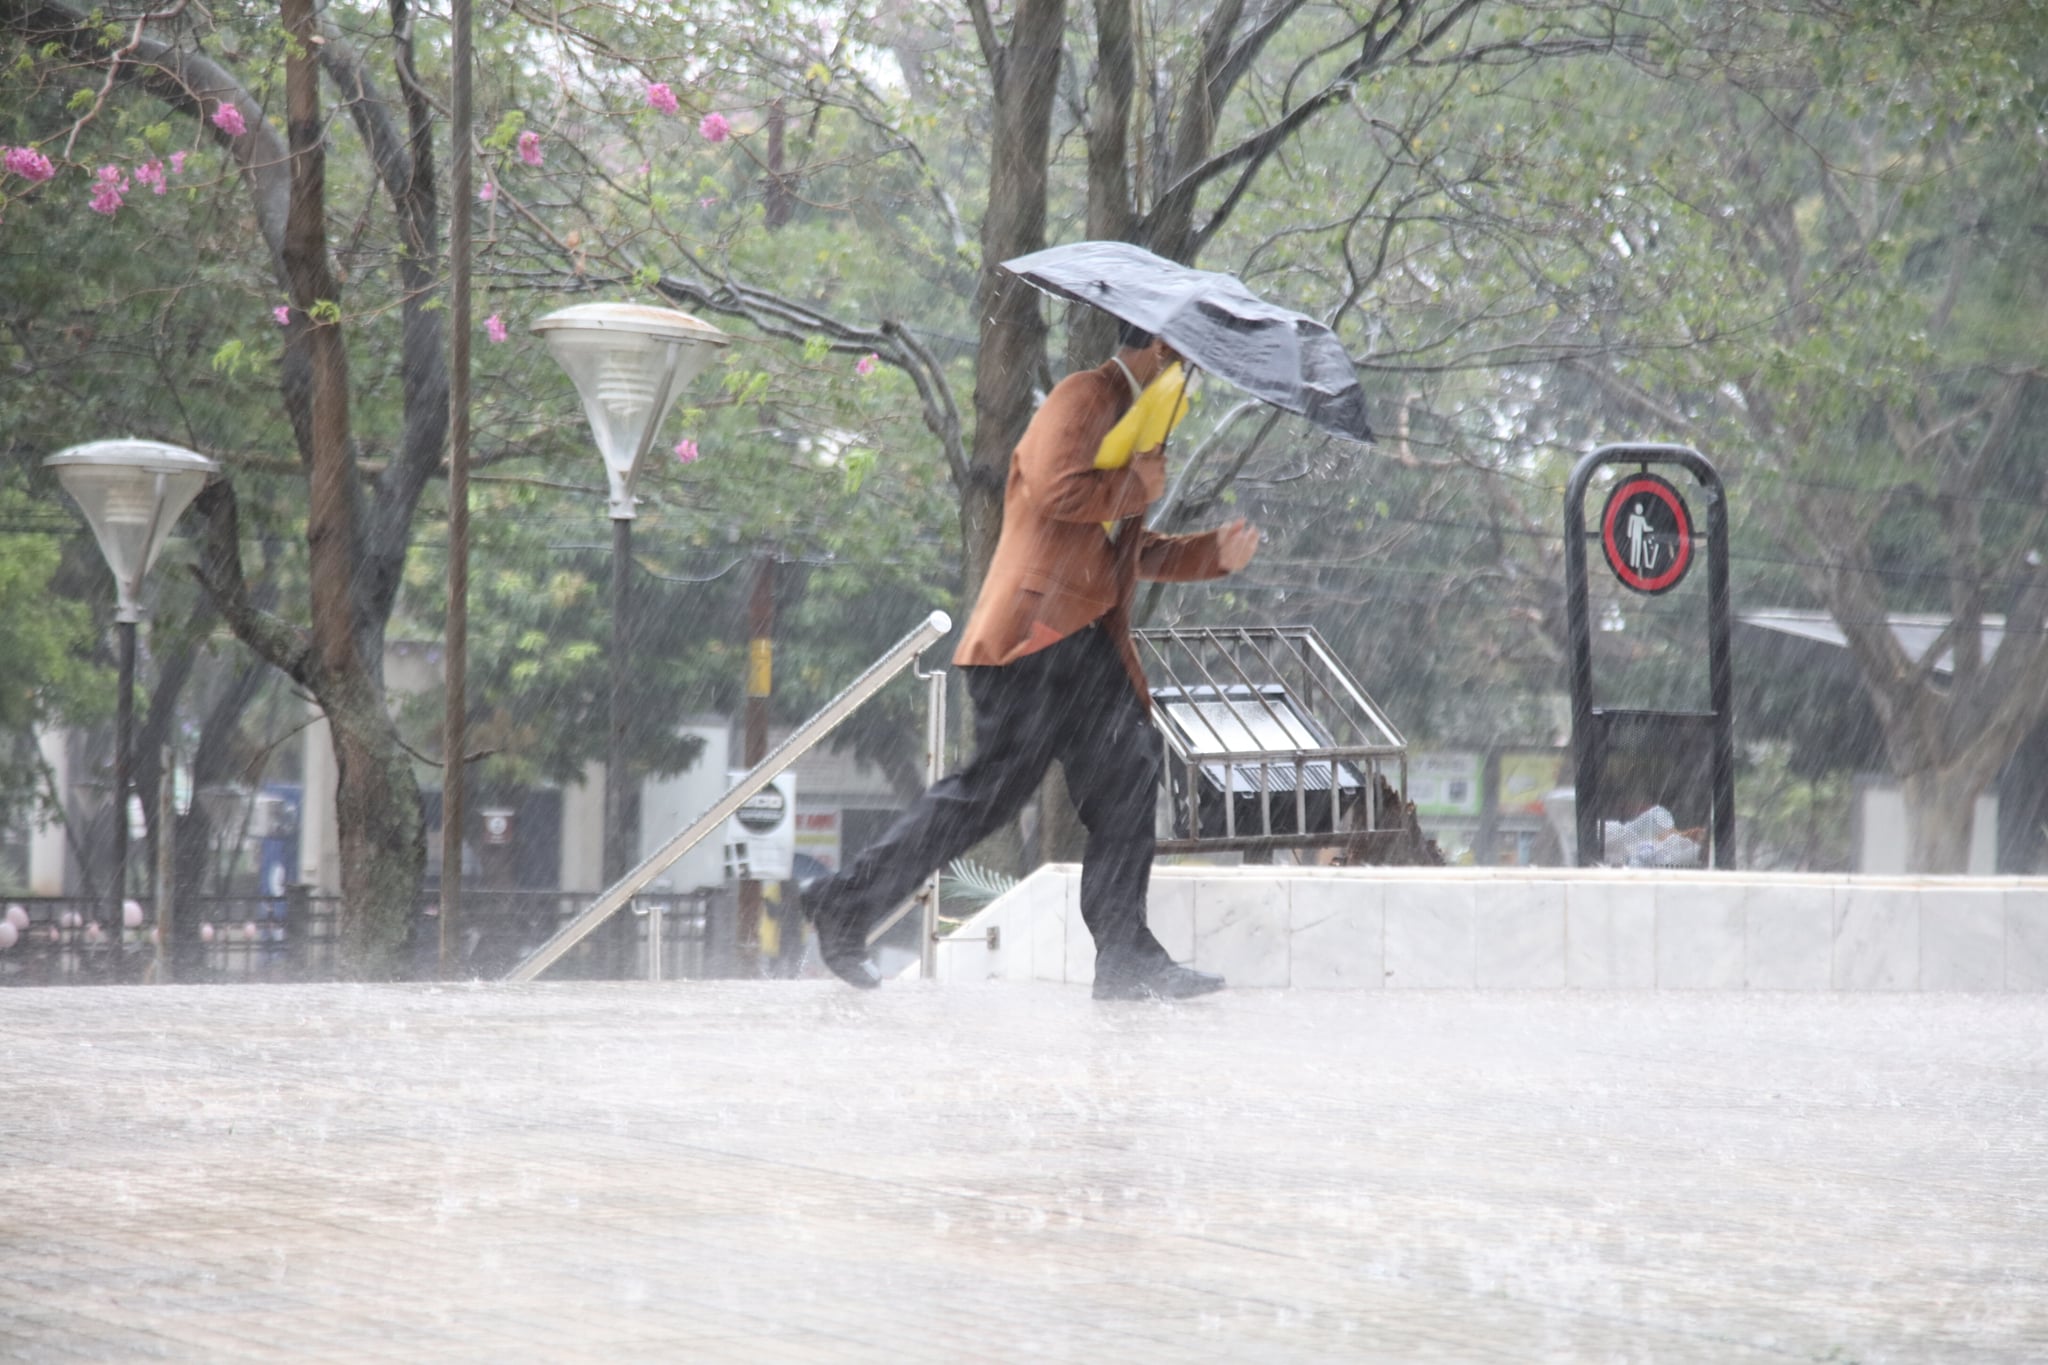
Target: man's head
pixel 1141 349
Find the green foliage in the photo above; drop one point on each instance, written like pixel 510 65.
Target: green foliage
pixel 232 358
pixel 506 132
pixel 46 640
pixel 1794 821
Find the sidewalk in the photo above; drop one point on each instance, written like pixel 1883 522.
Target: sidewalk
pixel 793 1171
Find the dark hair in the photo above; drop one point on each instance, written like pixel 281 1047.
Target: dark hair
pixel 1130 336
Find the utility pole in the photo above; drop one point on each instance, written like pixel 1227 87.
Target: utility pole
pixel 760 687
pixel 455 716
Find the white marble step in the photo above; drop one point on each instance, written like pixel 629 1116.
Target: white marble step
pixel 1594 929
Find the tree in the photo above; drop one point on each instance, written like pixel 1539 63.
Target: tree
pixel 357 526
pixel 366 453
pixel 1860 246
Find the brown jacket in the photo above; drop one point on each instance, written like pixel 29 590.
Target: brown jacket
pixel 1055 568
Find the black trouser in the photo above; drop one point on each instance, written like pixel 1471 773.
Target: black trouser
pixel 1071 701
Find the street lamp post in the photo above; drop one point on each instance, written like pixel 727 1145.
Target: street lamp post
pixel 132 493
pixel 629 363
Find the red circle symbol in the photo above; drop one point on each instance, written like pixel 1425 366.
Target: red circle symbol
pixel 1646 533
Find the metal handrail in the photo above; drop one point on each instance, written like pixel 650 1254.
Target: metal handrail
pixel 615 897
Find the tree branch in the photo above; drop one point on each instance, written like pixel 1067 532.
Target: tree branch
pixel 188 82
pixel 791 321
pixel 1231 70
pixel 405 167
pixel 991 46
pixel 285 646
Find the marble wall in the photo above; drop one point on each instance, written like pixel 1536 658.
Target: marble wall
pixel 1593 929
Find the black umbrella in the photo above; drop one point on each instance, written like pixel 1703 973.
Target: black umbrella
pixel 1286 358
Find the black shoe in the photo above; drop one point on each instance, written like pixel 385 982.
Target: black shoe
pixel 842 944
pixel 1160 980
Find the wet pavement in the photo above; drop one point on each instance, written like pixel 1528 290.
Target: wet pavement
pixel 796 1172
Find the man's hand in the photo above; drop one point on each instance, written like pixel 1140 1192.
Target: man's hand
pixel 1236 544
pixel 1150 467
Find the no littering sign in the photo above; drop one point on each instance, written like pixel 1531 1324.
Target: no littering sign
pixel 1646 533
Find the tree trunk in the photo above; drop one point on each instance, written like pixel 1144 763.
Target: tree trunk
pixel 1012 329
pixel 1091 333
pixel 383 844
pixel 1940 809
pixel 383 837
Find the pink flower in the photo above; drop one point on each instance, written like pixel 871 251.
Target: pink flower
pixel 686 451
pixel 177 163
pixel 151 173
pixel 660 98
pixel 494 327
pixel 529 147
pixel 228 119
pixel 283 315
pixel 28 163
pixel 708 201
pixel 865 366
pixel 714 128
pixel 486 193
pixel 108 189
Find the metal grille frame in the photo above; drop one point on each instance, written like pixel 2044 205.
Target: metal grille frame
pixel 1271 743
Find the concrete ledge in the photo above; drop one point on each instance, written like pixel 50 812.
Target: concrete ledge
pixel 1540 928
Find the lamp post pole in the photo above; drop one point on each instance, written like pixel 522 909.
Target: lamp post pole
pixel 124 739
pixel 617 789
pixel 132 493
pixel 629 362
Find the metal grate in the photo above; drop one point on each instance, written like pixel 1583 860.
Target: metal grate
pixel 1270 742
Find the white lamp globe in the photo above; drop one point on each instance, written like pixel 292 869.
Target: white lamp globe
pixel 629 363
pixel 132 493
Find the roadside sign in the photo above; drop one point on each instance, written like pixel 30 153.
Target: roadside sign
pixel 763 812
pixel 1627 760
pixel 1646 533
pixel 760 837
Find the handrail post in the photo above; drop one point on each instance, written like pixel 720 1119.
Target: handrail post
pixel 934 769
pixel 654 945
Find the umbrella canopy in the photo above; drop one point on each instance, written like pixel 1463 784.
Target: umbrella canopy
pixel 1276 354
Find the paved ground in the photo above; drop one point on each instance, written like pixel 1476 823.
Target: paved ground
pixel 793 1172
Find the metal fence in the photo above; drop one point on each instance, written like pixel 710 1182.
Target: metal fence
pixel 62 941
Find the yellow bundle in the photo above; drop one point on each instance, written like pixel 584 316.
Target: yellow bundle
pixel 1156 413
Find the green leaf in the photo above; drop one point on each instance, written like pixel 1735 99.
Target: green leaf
pixel 507 132
pixel 854 467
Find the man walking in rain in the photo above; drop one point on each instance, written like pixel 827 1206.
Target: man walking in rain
pixel 1053 673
